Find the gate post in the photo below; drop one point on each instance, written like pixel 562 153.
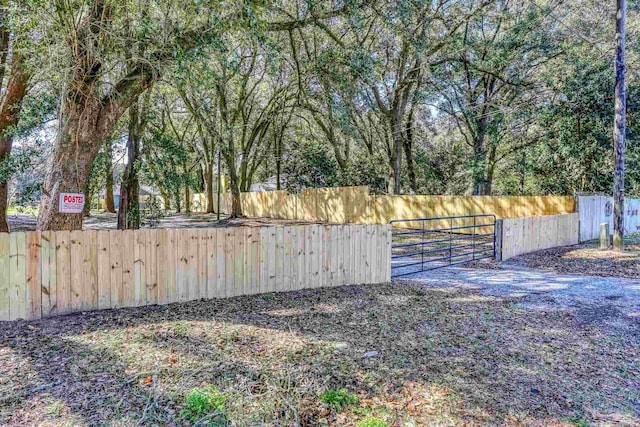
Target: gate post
pixel 498 237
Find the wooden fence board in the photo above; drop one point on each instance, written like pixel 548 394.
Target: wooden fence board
pixel 104 269
pixel 229 263
pixel 193 288
pixel 17 276
pixel 264 259
pixel 58 272
pixel 128 268
pixel 279 259
pixel 63 268
pixel 5 274
pixel 76 271
pixel 309 255
pixel 211 263
pixel 162 265
pixel 254 261
pixel 300 257
pixel 151 267
pixel 140 275
pixel 90 270
pixel 238 256
pixel 116 291
pixel 287 275
pixel 524 235
pixel 182 263
pixel 48 271
pixel 202 236
pixel 220 263
pixel 34 278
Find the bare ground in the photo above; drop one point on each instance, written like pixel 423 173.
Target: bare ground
pixel 586 259
pixel 413 356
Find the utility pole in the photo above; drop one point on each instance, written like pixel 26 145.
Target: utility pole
pixel 219 184
pixel 619 129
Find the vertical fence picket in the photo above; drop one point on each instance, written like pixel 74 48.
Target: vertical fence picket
pixel 128 268
pixel 279 259
pixel 5 269
pixel 115 269
pixel 17 276
pixel 34 278
pixel 220 263
pixel 211 263
pixel 76 270
pixel 202 237
pixel 104 269
pixel 228 262
pixel 48 272
pixel 151 265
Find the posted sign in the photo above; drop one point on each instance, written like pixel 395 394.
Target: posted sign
pixel 71 203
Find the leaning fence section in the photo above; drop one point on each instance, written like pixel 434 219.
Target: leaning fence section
pixel 48 273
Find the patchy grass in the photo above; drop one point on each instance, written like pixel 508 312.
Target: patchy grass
pixel 395 355
pixel 339 399
pixel 204 403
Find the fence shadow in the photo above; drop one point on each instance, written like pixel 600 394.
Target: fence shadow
pixel 481 359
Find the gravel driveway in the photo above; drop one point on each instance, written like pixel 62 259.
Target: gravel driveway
pixel 542 289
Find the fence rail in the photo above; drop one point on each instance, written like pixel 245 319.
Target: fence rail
pixel 48 273
pixel 422 244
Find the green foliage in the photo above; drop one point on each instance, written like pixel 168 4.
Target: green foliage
pixel 205 402
pixel 372 422
pixel 310 165
pixel 339 399
pixel 153 212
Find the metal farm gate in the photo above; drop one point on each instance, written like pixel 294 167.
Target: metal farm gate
pixel 422 244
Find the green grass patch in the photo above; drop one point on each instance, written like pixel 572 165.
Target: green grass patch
pixel 372 422
pixel 339 399
pixel 204 402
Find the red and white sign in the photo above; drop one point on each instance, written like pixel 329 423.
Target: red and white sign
pixel 71 203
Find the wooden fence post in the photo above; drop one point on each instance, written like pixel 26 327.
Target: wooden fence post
pixel 499 236
pixel 604 236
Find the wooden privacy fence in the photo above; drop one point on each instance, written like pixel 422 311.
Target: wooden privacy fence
pixel 524 235
pixel 594 210
pixel 48 273
pixel 356 205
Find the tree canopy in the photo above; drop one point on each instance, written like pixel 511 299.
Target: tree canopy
pixel 428 97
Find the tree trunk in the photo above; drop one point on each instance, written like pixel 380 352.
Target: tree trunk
pixel 4 201
pixel 208 186
pixel 9 114
pixel 619 128
pixel 396 159
pixel 408 152
pixel 129 209
pixel 79 138
pixel 87 201
pixel 234 183
pixel 187 198
pixel 109 202
pixel 479 167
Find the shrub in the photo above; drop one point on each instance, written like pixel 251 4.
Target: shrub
pixel 153 213
pixel 339 399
